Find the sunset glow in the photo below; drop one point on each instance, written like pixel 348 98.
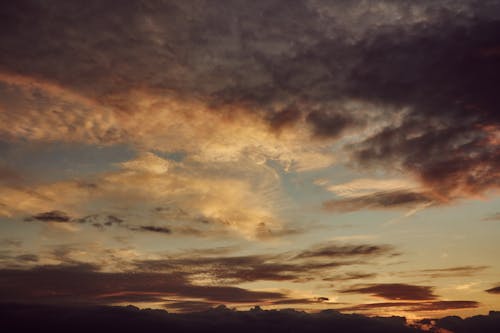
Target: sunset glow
pixel 311 154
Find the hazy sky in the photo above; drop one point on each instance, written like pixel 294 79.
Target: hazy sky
pixel 309 154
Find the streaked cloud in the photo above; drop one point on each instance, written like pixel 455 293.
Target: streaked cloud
pixel 395 291
pixel 397 199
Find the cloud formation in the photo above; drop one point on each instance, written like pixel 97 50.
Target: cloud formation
pixel 494 290
pixel 380 200
pixel 395 291
pixel 415 306
pixel 253 81
pixel 84 284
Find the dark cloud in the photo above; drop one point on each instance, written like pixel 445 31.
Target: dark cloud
pixel 298 301
pixel 350 276
pixel 415 306
pixel 52 216
pixel 379 200
pixel 100 220
pixel 452 271
pixel 432 72
pixel 394 291
pixel 152 228
pixel 30 317
pixel 35 317
pixel 131 297
pixel 296 267
pixel 330 125
pixel 242 268
pixel 494 290
pixel 489 323
pixel 82 283
pixel 339 251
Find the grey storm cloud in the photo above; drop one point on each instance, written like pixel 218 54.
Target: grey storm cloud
pixel 433 64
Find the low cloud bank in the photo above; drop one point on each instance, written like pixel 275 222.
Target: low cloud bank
pixel 52 318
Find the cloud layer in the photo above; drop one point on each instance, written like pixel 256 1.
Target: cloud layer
pixel 264 79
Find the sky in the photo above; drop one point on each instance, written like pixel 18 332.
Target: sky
pixel 301 154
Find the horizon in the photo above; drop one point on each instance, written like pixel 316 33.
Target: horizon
pixel 26 317
pixel 309 155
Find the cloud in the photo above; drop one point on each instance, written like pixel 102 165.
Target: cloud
pixel 270 88
pixel 83 283
pixel 29 317
pixel 394 291
pixel 452 271
pixel 350 276
pixel 380 200
pixel 339 251
pixel 415 306
pixel 28 257
pixel 296 267
pixel 366 186
pixel 189 306
pixel 96 220
pixel 100 220
pixel 52 216
pixel 77 318
pixel 240 269
pixel 152 228
pixel 299 301
pixel 187 197
pixel 494 290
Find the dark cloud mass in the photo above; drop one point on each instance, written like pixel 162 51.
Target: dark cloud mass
pixel 221 116
pixel 494 290
pixel 432 70
pixel 29 318
pixel 82 283
pixel 395 291
pixel 52 216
